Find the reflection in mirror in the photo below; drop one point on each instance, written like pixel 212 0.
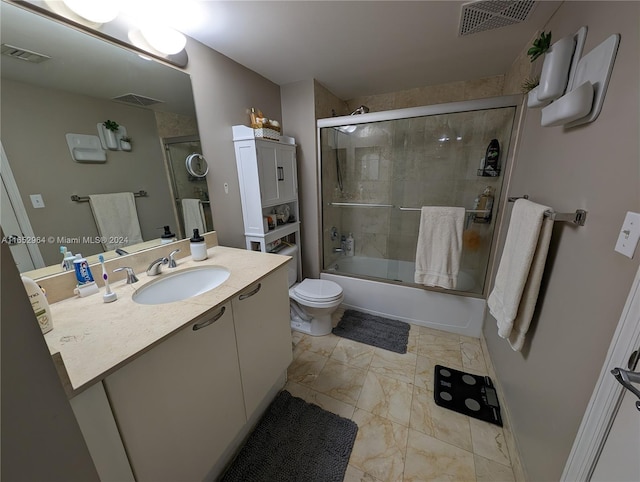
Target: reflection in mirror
pixel 81 83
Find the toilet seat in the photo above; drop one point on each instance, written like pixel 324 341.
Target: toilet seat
pixel 318 291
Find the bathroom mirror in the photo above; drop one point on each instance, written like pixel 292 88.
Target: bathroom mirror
pixel 78 82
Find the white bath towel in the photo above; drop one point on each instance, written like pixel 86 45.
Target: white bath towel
pixel 116 218
pixel 439 246
pixel 513 298
pixel 193 216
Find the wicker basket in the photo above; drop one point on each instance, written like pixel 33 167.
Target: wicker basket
pixel 266 131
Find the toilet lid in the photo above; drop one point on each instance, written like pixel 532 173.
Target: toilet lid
pixel 318 290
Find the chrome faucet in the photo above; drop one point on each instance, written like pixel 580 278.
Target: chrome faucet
pixel 155 267
pixel 172 261
pixel 131 276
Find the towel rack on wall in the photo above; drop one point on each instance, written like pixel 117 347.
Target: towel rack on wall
pixel 85 199
pixel 578 218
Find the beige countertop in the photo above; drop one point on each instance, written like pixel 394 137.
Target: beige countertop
pixel 94 338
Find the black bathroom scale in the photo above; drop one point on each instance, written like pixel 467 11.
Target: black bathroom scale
pixel 471 395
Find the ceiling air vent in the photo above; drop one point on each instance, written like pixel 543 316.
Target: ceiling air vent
pixel 489 14
pixel 138 100
pixel 23 54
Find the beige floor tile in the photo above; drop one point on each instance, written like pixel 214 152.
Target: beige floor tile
pixel 425 330
pixel 340 381
pixel 388 397
pixel 430 459
pixel 489 442
pixel 424 373
pixel 322 345
pixel 323 401
pixel 354 474
pixel 353 353
pixel 490 471
pixel 380 446
pixel 446 355
pixel 439 422
pixel 395 365
pixel 472 357
pixel 306 367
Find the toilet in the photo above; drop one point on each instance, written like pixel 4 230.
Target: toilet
pixel 312 301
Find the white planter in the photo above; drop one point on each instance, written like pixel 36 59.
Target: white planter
pixel 110 140
pixel 555 69
pixel 124 145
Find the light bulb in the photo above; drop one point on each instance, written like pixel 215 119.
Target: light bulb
pixel 164 39
pixel 98 11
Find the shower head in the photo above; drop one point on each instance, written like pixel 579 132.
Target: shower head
pixel 363 109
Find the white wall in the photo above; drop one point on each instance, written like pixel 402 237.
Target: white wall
pixel 594 167
pixel 41 439
pixel 299 116
pixel 224 92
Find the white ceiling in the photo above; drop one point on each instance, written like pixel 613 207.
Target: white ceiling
pixel 357 48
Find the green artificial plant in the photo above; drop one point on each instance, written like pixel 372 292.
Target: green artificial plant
pixel 111 125
pixel 540 46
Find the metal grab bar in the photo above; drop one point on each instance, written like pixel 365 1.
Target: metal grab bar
pixel 85 199
pixel 483 211
pixel 578 218
pixel 363 205
pixel 401 208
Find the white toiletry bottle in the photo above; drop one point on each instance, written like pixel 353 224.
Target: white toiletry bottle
pixel 198 247
pixel 39 304
pixel 350 245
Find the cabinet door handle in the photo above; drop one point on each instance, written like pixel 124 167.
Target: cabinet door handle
pixel 280 173
pixel 250 293
pixel 210 321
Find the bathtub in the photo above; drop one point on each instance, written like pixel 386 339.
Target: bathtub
pixel 443 311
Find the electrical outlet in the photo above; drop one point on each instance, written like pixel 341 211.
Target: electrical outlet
pixel 629 235
pixel 37 201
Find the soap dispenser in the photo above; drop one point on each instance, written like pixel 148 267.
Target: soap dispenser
pixel 198 246
pixel 168 236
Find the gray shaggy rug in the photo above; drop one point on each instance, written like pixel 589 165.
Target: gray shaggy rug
pixel 392 335
pixel 295 441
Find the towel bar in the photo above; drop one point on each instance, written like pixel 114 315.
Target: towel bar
pixel 579 217
pixel 85 199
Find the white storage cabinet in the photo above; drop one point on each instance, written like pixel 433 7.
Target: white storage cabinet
pixel 267 174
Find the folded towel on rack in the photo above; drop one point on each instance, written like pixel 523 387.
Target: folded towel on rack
pixel 116 218
pixel 193 216
pixel 513 298
pixel 439 246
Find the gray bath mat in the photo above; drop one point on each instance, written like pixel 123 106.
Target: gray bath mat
pixel 392 335
pixel 295 441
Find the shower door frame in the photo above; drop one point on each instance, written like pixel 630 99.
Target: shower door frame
pixel 517 101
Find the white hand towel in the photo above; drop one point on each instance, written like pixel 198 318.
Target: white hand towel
pixel 439 246
pixel 116 218
pixel 193 216
pixel 513 298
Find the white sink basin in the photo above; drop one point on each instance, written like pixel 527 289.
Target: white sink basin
pixel 181 285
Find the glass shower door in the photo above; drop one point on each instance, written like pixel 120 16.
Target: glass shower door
pixel 185 185
pixel 376 177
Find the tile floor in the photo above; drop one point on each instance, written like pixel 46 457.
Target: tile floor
pixel 403 435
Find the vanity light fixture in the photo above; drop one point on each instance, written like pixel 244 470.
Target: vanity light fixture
pixel 164 39
pixel 98 11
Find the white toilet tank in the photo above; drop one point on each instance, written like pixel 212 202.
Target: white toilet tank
pixel 293 264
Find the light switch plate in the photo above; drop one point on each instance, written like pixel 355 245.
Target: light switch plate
pixel 36 200
pixel 629 235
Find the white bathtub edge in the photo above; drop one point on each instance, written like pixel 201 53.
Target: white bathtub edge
pixel 442 311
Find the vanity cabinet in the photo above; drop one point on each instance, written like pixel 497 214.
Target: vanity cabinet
pixel 180 405
pixel 263 335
